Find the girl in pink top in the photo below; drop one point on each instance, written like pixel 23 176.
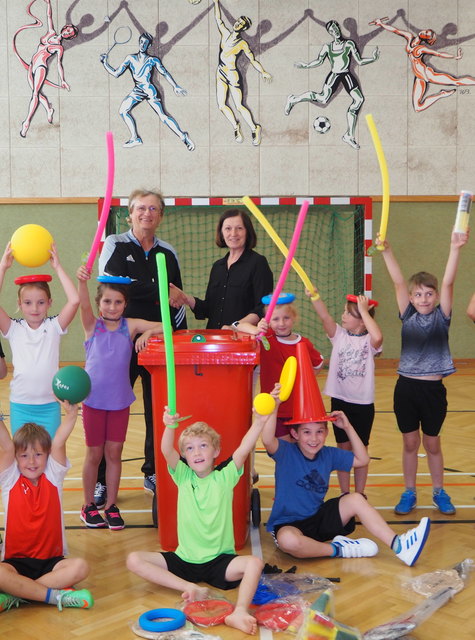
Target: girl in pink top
pixel 350 381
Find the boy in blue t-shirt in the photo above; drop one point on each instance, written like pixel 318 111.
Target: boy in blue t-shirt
pixel 205 551
pixel 301 520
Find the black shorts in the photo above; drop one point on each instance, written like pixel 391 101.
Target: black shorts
pixel 212 572
pixel 33 568
pixel 323 525
pixel 420 403
pixel 361 416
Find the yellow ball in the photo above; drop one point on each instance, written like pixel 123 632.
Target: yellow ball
pixel 264 404
pixel 31 245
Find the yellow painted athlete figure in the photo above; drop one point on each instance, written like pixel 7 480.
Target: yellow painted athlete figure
pixel 228 78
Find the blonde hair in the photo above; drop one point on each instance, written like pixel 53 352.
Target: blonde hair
pixel 143 193
pixel 290 306
pixel 199 429
pixel 31 434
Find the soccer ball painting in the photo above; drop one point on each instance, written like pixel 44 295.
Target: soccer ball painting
pixel 321 124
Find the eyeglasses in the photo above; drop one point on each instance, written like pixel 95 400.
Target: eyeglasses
pixel 142 209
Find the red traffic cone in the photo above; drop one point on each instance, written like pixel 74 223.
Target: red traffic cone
pixel 308 403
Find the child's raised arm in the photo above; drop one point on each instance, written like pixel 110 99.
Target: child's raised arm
pixel 329 324
pixel 457 241
pixel 269 440
pixel 5 263
pixel 68 312
pixel 88 318
pixel 169 451
pixel 370 323
pixel 395 273
pixel 7 450
pixel 58 446
pixel 361 457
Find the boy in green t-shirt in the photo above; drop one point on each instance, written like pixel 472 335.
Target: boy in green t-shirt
pixel 205 551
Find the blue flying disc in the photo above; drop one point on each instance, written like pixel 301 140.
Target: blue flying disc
pixel 114 279
pixel 284 298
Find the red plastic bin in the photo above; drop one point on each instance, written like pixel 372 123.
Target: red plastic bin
pixel 213 384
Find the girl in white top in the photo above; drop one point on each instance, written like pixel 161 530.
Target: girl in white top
pixel 34 341
pixel 350 381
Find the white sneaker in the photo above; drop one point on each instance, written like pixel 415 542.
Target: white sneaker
pixel 361 548
pixel 413 541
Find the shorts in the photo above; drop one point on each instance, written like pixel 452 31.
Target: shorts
pixel 323 525
pixel 33 568
pixel 361 416
pixel 420 403
pixel 102 425
pixel 212 572
pixel 46 415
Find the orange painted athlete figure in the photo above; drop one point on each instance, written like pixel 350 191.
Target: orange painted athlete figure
pixel 416 48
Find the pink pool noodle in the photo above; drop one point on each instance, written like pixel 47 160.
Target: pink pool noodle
pixel 288 260
pixel 106 204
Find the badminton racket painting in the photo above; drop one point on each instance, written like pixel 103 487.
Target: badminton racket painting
pixel 122 35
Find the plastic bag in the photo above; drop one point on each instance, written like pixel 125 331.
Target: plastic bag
pixel 179 634
pixel 285 585
pixel 456 578
pixel 408 621
pixel 281 615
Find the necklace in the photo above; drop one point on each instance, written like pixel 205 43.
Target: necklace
pixel 357 334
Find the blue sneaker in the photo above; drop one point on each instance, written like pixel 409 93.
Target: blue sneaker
pixel 412 542
pixel 406 503
pixel 150 483
pixel 443 503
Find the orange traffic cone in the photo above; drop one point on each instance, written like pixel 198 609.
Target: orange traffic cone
pixel 308 403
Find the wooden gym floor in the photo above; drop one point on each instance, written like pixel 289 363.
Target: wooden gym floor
pixel 371 590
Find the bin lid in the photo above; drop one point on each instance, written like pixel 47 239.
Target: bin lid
pixel 206 346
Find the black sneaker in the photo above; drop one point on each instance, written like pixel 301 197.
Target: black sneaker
pixel 91 517
pixel 150 483
pixel 113 518
pixel 100 495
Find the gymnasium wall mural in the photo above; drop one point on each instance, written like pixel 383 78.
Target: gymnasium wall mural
pixel 195 61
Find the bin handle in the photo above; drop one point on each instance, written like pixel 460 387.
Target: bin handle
pixel 196 370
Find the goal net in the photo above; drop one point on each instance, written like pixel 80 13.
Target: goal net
pixel 331 250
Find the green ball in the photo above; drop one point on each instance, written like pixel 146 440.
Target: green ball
pixel 71 383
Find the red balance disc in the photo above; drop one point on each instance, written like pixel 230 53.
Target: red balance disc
pixel 32 278
pixel 277 615
pixel 208 613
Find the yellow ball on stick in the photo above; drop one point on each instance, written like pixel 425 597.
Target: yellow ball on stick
pixel 264 404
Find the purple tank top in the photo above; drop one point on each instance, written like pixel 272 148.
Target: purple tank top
pixel 107 363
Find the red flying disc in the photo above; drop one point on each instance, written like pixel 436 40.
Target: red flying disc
pixel 352 298
pixel 32 278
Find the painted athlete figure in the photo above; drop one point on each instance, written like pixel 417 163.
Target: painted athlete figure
pixel 416 49
pixel 50 44
pixel 141 66
pixel 339 52
pixel 228 78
